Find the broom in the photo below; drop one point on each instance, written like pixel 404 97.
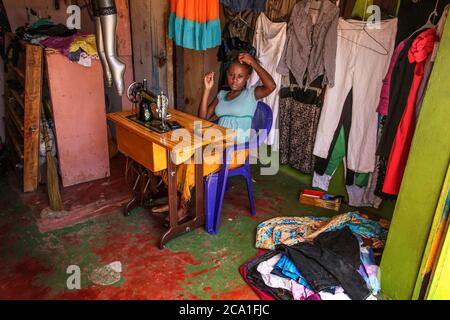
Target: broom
pixel 54 195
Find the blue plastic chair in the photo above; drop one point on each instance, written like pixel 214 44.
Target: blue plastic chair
pixel 216 183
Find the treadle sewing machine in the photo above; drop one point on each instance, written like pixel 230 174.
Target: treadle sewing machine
pixel 150 111
pixel 145 137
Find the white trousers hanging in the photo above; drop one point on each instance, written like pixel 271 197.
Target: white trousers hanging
pixel 362 69
pixel 269 40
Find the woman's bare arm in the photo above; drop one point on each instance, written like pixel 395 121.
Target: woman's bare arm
pixel 268 84
pixel 206 111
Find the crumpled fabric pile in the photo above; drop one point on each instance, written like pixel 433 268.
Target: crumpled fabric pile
pixel 317 258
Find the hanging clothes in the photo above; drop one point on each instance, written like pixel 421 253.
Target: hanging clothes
pixel 413 14
pixel 387 6
pixel 366 196
pixel 279 10
pixel 383 106
pixel 311 48
pixel 195 24
pixel 361 8
pixel 400 84
pixel 430 61
pixel 346 8
pixel 381 169
pixel 269 41
pixel 299 118
pixel 422 47
pixel 239 24
pixel 359 54
pixel 240 5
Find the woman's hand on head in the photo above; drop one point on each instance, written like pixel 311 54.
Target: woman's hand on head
pixel 209 80
pixel 247 59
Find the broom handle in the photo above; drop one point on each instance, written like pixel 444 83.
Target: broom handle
pixel 48 148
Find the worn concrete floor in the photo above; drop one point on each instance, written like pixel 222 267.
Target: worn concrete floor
pixel 196 265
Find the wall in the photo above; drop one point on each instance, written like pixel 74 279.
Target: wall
pixel 149 28
pixel 422 183
pixel 152 54
pixel 196 65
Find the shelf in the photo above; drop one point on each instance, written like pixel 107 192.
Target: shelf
pixel 17 97
pixel 14 141
pixel 22 110
pixel 17 71
pixel 15 119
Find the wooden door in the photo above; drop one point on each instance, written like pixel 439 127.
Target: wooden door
pixel 152 52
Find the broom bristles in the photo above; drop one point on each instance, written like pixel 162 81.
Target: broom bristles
pixel 54 196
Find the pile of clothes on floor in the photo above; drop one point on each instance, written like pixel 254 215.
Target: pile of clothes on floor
pixel 317 258
pixel 78 46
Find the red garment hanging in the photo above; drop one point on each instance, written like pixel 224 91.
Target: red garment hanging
pixel 421 48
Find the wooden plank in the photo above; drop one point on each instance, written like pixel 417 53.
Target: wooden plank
pixel 17 71
pixel 193 79
pixel 150 36
pixel 434 244
pixel 165 140
pixel 124 46
pixel 196 65
pixel 80 119
pixel 15 119
pixel 211 64
pixel 33 98
pixel 14 141
pixel 17 97
pixel 170 68
pixel 179 78
pixel 147 154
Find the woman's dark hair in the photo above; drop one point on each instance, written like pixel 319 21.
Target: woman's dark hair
pixel 233 58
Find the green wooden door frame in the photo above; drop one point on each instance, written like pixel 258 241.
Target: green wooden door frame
pixel 422 184
pixel 429 274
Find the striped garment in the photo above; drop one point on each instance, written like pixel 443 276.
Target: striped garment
pixel 195 24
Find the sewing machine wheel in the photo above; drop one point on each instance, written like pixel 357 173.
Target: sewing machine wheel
pixel 133 90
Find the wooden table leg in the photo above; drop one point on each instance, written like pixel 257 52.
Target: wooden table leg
pixel 173 203
pixel 141 182
pixel 176 229
pixel 199 187
pixel 134 183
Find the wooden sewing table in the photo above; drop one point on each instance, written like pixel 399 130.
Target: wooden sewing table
pixel 148 151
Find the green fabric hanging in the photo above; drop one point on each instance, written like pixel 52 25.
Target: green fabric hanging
pixel 360 9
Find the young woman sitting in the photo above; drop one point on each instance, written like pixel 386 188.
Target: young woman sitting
pixel 234 109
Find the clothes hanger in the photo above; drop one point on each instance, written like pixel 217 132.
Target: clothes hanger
pixel 430 22
pixel 384 51
pixel 238 17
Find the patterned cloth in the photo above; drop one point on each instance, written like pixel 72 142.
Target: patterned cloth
pixel 298 128
pixel 292 230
